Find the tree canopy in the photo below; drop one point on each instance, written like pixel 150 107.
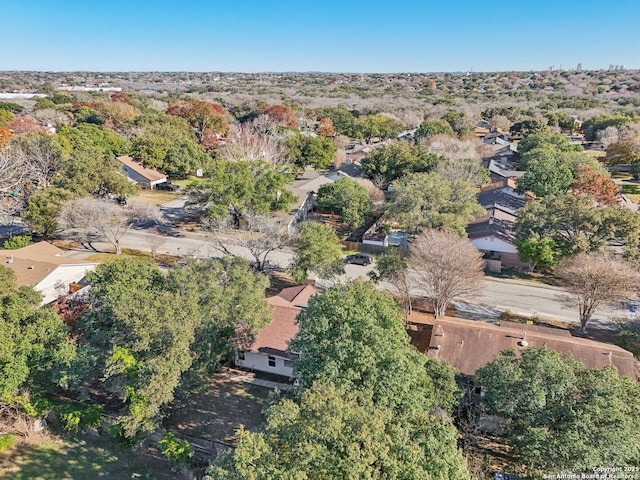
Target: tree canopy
pixel 379 126
pixel 36 353
pixel 576 224
pixel 170 147
pixel 429 128
pixel 428 200
pixel 562 416
pixel 397 159
pixel 347 198
pixel 238 186
pixel 145 330
pixel 304 150
pixel 317 249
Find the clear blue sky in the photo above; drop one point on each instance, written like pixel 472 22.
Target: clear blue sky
pixel 325 35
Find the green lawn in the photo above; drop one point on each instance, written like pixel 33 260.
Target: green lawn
pixel 155 197
pixel 185 181
pixel 83 459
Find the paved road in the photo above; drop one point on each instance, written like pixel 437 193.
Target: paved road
pixel 536 299
pixel 498 295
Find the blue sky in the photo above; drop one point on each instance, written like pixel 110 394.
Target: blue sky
pixel 329 35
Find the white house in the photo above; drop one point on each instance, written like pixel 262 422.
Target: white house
pixel 269 350
pixel 43 267
pixel 143 176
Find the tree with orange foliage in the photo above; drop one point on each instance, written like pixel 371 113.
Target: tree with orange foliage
pixel 118 113
pixel 120 97
pixel 590 181
pixel 325 128
pixel 281 114
pixel 5 136
pixel 209 139
pixel 624 152
pixel 202 116
pixel 21 125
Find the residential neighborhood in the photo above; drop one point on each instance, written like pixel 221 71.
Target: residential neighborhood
pixel 232 250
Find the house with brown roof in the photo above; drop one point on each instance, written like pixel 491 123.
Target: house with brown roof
pixel 45 268
pixel 469 345
pixel 143 176
pixel 268 353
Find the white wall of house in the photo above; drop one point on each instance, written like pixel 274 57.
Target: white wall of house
pixel 260 362
pixel 493 244
pixel 57 282
pixel 142 181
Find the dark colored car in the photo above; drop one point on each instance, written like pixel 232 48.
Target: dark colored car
pixel 171 187
pixel 360 259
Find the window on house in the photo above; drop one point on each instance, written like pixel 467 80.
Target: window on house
pixel 240 355
pixel 287 363
pixel 272 361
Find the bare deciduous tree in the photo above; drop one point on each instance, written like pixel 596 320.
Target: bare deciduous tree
pixel 12 170
pixel 40 156
pixel 259 139
pixel 260 234
pixel 455 148
pixel 446 267
pixel 155 243
pixel 593 278
pixel 92 219
pixel 52 117
pixel 247 142
pixel 466 170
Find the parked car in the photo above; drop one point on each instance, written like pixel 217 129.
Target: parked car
pixel 360 259
pixel 171 187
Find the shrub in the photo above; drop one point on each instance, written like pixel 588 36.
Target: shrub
pixel 19 241
pixel 178 452
pixel 7 441
pixel 77 417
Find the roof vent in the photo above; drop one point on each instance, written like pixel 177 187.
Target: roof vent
pixel 523 342
pixel 439 331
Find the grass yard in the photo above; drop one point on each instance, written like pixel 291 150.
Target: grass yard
pixel 86 458
pixel 106 257
pixel 183 182
pixel 155 197
pixel 216 412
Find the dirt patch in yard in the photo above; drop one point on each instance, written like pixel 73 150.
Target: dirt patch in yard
pixel 84 457
pixel 219 409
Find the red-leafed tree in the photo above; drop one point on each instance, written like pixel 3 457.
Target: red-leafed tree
pixel 202 116
pixel 22 125
pixel 326 128
pixel 120 97
pixel 209 139
pixel 599 185
pixel 281 114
